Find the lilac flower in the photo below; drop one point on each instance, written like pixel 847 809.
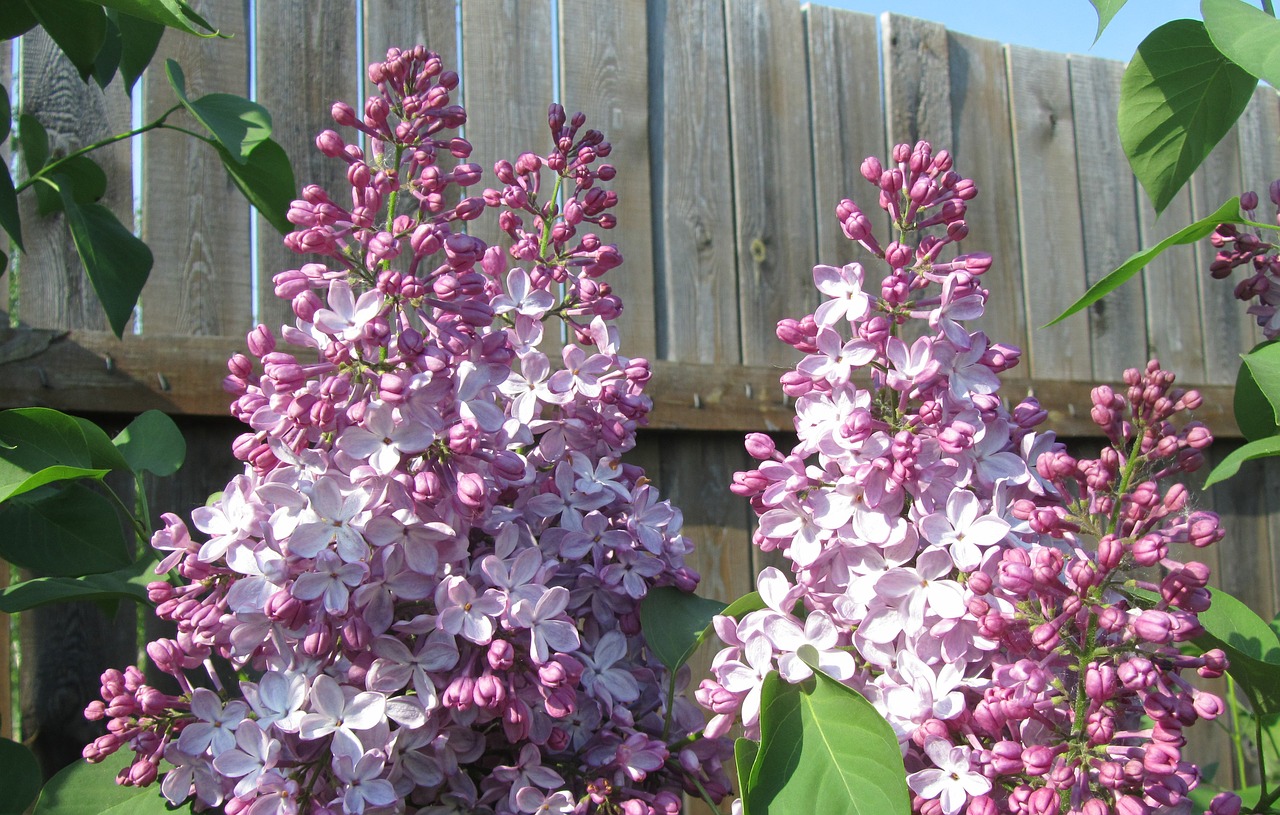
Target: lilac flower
pixel 951 780
pixel 844 286
pixel 215 725
pixel 463 612
pixel 382 441
pixel 547 628
pixel 255 753
pixel 361 782
pixel 340 711
pixel 963 530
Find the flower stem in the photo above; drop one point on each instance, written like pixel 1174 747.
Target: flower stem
pixel 53 166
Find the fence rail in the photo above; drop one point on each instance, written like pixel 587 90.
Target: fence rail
pixel 737 126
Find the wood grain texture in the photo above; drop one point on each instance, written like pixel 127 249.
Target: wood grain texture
pixel 306 61
pixel 773 172
pixel 406 23
pixel 696 283
pixel 53 290
pixel 1048 211
pixel 193 217
pixel 917 92
pixel 604 72
pixel 1174 334
pixel 1109 212
pixel 847 122
pixel 982 143
pixel 1228 330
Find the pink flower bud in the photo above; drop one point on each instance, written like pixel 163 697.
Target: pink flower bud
pixel 1154 626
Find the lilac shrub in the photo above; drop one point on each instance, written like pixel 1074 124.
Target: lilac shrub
pixel 1237 248
pixel 1014 612
pixel 427 577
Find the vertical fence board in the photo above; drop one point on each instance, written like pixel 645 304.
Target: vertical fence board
pixel 306 61
pixel 1049 211
pixel 193 218
pixel 432 23
pixel 1109 211
pixel 1173 295
pixel 696 285
pixel 982 142
pixel 604 70
pixel 54 291
pixel 773 192
pixel 847 121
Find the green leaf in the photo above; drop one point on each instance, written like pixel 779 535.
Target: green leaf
pixel 1178 98
pixel 71 533
pixel 19 776
pixel 744 756
pixel 78 28
pixel 152 443
pixel 1229 466
pixel 747 603
pixel 1263 367
pixel 91 789
pixel 33 141
pixel 171 13
pixel 824 748
pixel 1227 213
pixel 9 217
pixel 43 437
pixel 1106 11
pixel 15 20
pixel 129 583
pixel 237 125
pixel 139 40
pixel 1246 35
pixel 108 59
pixel 6 114
pixel 15 480
pixel 1251 646
pixel 265 180
pixel 675 623
pixel 81 175
pixel 116 261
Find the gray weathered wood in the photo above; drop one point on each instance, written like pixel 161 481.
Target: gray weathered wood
pixel 402 24
pixel 1174 335
pixel 1048 211
pixel 306 62
pixel 193 217
pixel 773 172
pixel 604 72
pixel 917 92
pixel 696 285
pixel 1108 207
pixel 847 120
pixel 982 142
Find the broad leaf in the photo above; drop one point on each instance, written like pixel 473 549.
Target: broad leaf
pixel 79 174
pixel 90 789
pixel 1106 11
pixel 747 603
pixel 152 443
pixel 1251 646
pixel 824 748
pixel 15 480
pixel 266 180
pixel 1227 213
pixel 43 437
pixel 9 218
pixel 71 533
pixel 129 583
pixel 108 59
pixel 116 261
pixel 19 776
pixel 172 13
pixel 1178 98
pixel 1246 35
pixel 6 114
pixel 15 20
pixel 744 756
pixel 78 28
pixel 1257 402
pixel 33 141
pixel 237 124
pixel 139 40
pixel 1229 466
pixel 675 623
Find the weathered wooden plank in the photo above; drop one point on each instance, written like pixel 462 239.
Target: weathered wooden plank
pixel 54 291
pixel 1228 330
pixel 306 61
pixel 1049 211
pixel 1109 212
pixel 982 142
pixel 696 284
pixel 604 72
pixel 1173 294
pixel 847 121
pixel 772 170
pixel 917 91
pixel 193 217
pixel 432 23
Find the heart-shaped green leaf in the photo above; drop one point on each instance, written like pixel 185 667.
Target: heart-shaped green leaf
pixel 9 217
pixel 33 141
pixel 1246 35
pixel 1229 466
pixel 675 623
pixel 172 13
pixel 237 125
pixel 1251 646
pixel 117 263
pixel 1257 400
pixel 90 789
pixel 128 583
pixel 139 40
pixel 1178 98
pixel 152 443
pixel 108 59
pixel 1106 11
pixel 79 29
pixel 266 181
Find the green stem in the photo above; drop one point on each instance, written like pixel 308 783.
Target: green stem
pixel 547 224
pixel 671 706
pixel 138 528
pixel 1262 757
pixel 1082 668
pixel 53 166
pixel 1237 741
pixel 395 192
pixel 702 792
pixel 1130 465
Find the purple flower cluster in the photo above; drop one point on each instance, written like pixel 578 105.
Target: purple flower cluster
pixel 428 575
pixel 1012 611
pixel 1247 248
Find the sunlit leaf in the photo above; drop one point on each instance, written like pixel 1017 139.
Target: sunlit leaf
pixel 42 437
pixel 1231 464
pixel 128 583
pixel 152 443
pixel 1257 400
pixel 90 789
pixel 265 180
pixel 237 124
pixel 81 175
pixel 744 756
pixel 1178 98
pixel 1106 11
pixel 1246 35
pixel 675 623
pixel 117 263
pixel 172 13
pixel 1251 646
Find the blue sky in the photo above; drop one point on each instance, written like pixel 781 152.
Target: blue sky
pixel 1052 25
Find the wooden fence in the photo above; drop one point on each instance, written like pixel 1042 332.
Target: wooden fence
pixel 737 126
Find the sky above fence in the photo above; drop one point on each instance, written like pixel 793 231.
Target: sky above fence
pixel 1051 25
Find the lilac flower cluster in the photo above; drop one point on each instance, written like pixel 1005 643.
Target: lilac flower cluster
pixel 428 575
pixel 1237 248
pixel 1012 611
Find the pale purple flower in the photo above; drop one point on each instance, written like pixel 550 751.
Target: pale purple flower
pixel 346 316
pixel 215 725
pixel 548 630
pixel 277 699
pixel 607 676
pixel 330 518
pixel 819 633
pixel 361 782
pixel 463 612
pixel 331 579
pixel 255 753
pixel 844 286
pixel 341 711
pixel 952 780
pixel 521 297
pixel 381 440
pixel 964 530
